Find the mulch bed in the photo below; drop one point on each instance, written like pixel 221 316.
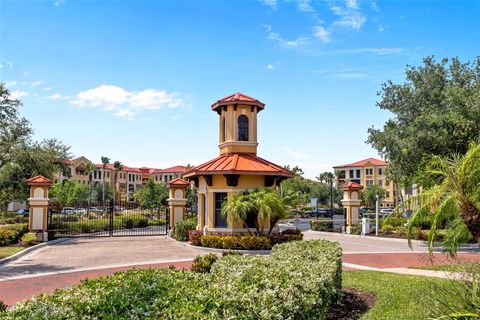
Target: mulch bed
pixel 352 305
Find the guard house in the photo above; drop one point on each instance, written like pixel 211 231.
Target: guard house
pixel 237 168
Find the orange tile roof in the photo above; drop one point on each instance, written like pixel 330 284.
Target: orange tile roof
pixel 238 97
pixel 39 180
pixel 179 182
pixel 350 185
pixel 236 163
pixel 361 163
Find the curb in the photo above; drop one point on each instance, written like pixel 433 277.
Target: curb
pixel 366 237
pixel 30 249
pixel 215 250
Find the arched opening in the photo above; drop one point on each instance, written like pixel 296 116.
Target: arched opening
pixel 242 128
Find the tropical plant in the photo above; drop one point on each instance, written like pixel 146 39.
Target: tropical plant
pixel 259 206
pixel 152 194
pixel 105 162
pixel 69 192
pixel 117 165
pixel 454 200
pixel 369 195
pixel 89 170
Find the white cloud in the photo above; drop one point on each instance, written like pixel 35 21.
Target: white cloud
pixel 321 33
pixel 175 117
pixel 57 96
pixel 36 83
pixel 270 66
pixel 47 89
pixel 11 84
pixel 305 6
pixel 271 3
pixel 17 94
pixel 377 51
pixel 295 153
pixel 296 43
pixel 382 27
pixel 121 101
pixel 125 113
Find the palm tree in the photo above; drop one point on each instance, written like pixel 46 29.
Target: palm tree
pixel 455 199
pixel 105 161
pixel 237 209
pixel 117 165
pixel 89 169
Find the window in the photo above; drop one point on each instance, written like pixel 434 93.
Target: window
pixel 380 182
pixel 369 171
pixel 351 173
pixel 387 194
pixel 387 183
pixel 243 128
pixel 220 220
pixel 380 171
pixel 369 182
pixel 358 173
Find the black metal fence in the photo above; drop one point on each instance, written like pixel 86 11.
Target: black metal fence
pixel 110 220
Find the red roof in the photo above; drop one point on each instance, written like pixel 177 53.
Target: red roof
pixel 350 185
pixel 235 163
pixel 238 97
pixel 39 181
pixel 361 163
pixel 179 182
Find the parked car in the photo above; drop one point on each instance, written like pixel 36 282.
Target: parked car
pixel 67 210
pixel 81 211
pixel 23 212
pixel 386 211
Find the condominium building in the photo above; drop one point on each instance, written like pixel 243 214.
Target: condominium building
pixel 129 179
pixel 368 172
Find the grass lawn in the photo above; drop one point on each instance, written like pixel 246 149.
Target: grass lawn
pixel 454 267
pixel 398 296
pixel 9 250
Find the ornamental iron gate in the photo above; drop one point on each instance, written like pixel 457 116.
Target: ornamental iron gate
pixel 111 220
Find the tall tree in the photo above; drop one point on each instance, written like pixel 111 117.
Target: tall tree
pixel 152 194
pixel 69 192
pixel 436 112
pixel 89 170
pixel 105 162
pixel 117 165
pixel 369 195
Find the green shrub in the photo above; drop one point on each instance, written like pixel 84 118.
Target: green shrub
pixel 183 227
pixel 11 233
pixel 204 263
pixel 157 222
pixel 387 229
pixel 195 237
pixel 285 236
pixel 254 243
pixel 3 306
pixel 321 224
pixel 211 241
pixel 229 242
pixel 299 280
pixel 401 230
pixel 356 229
pixel 129 222
pixel 28 239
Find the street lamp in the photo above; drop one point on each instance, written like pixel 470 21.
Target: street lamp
pixel 376 214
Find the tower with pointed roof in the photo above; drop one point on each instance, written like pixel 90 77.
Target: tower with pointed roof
pixel 237 168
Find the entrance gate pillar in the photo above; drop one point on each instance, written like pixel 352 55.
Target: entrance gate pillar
pixel 177 200
pixel 351 202
pixel 38 203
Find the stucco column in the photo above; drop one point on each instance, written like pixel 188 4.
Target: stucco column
pixel 177 200
pixel 38 203
pixel 351 202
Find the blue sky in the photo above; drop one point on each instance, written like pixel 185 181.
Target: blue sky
pixel 135 80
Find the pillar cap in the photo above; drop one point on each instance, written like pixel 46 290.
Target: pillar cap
pixel 179 183
pixel 39 181
pixel 350 186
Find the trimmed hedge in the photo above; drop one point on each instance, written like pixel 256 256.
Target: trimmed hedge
pixel 299 280
pixel 12 233
pixel 236 241
pixel 183 227
pixel 322 224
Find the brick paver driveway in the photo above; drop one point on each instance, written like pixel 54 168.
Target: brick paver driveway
pixel 94 253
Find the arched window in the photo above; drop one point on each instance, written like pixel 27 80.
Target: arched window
pixel 243 128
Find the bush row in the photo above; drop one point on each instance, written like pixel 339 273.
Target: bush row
pixel 95 225
pixel 12 218
pixel 236 241
pixel 12 233
pixel 299 280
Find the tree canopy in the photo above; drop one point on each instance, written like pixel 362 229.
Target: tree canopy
pixel 436 113
pixel 152 194
pixel 20 156
pixel 369 195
